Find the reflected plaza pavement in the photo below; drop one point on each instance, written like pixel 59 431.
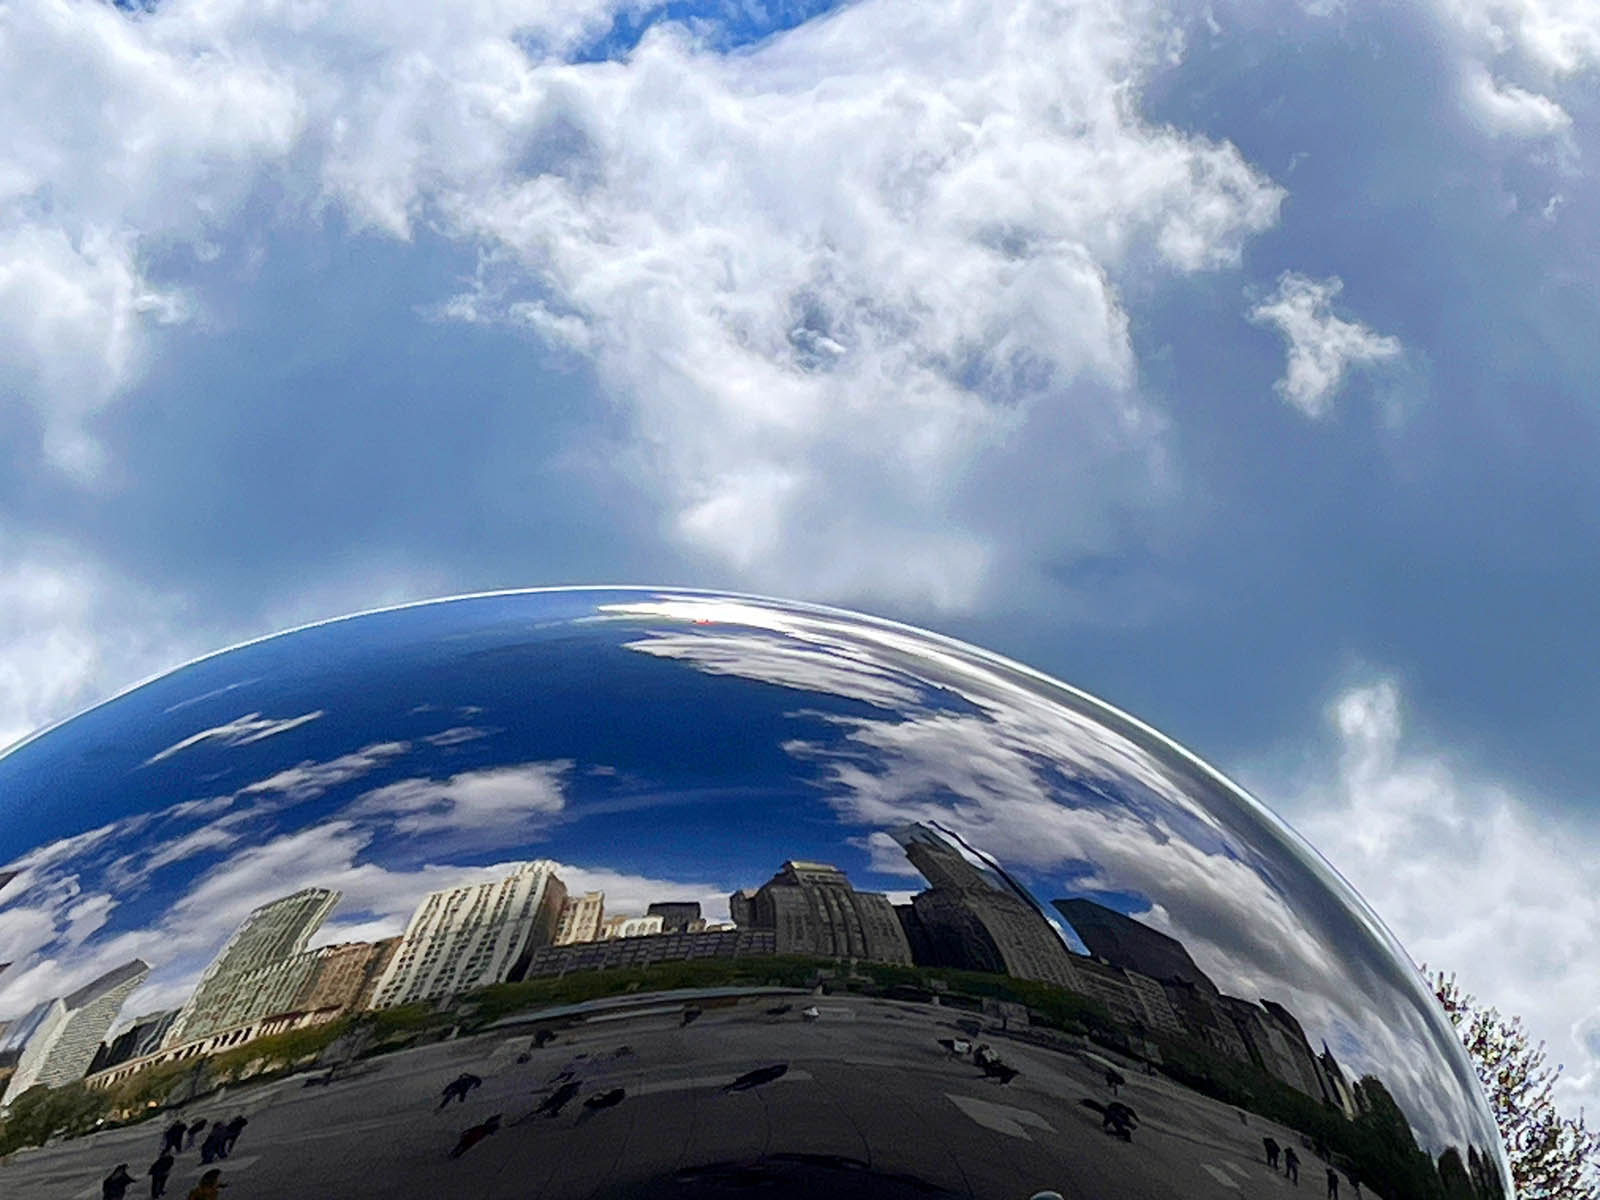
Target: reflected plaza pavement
pixel 644 893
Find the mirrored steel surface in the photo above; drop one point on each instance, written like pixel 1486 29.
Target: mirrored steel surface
pixel 623 893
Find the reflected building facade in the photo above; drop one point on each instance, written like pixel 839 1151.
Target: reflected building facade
pixel 742 907
pixel 1125 942
pixel 620 925
pixel 812 909
pixel 676 915
pixel 670 745
pixel 141 1038
pixel 972 918
pixel 462 938
pixel 346 975
pixel 260 970
pixel 650 950
pixel 62 1044
pixel 581 918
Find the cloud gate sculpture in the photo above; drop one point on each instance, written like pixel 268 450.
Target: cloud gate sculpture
pixel 641 893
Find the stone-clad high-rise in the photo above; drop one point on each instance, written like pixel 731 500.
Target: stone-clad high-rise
pixel 467 937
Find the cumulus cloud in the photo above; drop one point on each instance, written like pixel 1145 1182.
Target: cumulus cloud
pixel 70 632
pixel 1558 36
pixel 832 286
pixel 138 133
pixel 1504 108
pixel 70 317
pixel 1322 347
pixel 1473 878
pixel 1546 42
pixel 835 294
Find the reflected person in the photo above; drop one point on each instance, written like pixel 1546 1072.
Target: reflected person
pixel 158 1172
pixel 115 1185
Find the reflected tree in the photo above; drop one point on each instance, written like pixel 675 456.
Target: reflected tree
pixel 42 1113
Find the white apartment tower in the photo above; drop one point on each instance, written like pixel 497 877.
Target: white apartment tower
pixel 270 936
pixel 469 937
pixel 581 918
pixel 63 1044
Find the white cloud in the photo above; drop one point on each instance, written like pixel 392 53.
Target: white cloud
pixel 1034 776
pixel 456 735
pixel 822 666
pixel 70 319
pixel 526 796
pixel 309 779
pixel 1561 37
pixel 833 286
pixel 241 731
pixel 837 293
pixel 1504 108
pixel 1545 42
pixel 1322 347
pixel 1472 878
pixel 131 870
pixel 121 134
pixel 70 632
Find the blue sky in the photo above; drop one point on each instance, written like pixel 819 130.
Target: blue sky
pixel 1233 362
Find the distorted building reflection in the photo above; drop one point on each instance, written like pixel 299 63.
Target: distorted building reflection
pixel 62 1037
pixel 465 937
pixel 653 895
pixel 813 910
pixel 972 918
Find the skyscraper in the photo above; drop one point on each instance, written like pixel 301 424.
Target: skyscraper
pixel 467 937
pixel 581 918
pixel 974 917
pixel 939 860
pixel 1339 1089
pixel 63 1043
pixel 254 968
pixel 1310 1076
pixel 676 915
pixel 814 910
pixel 1125 942
pixel 1277 1046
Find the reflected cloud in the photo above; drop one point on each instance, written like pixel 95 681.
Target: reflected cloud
pixel 526 796
pixel 456 736
pixel 210 695
pixel 241 731
pixel 713 807
pixel 307 780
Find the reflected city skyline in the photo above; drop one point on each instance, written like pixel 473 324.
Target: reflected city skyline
pixel 431 808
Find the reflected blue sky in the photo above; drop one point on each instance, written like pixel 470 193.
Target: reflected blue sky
pixel 659 746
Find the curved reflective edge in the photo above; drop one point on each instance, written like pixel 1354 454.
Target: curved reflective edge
pixel 645 892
